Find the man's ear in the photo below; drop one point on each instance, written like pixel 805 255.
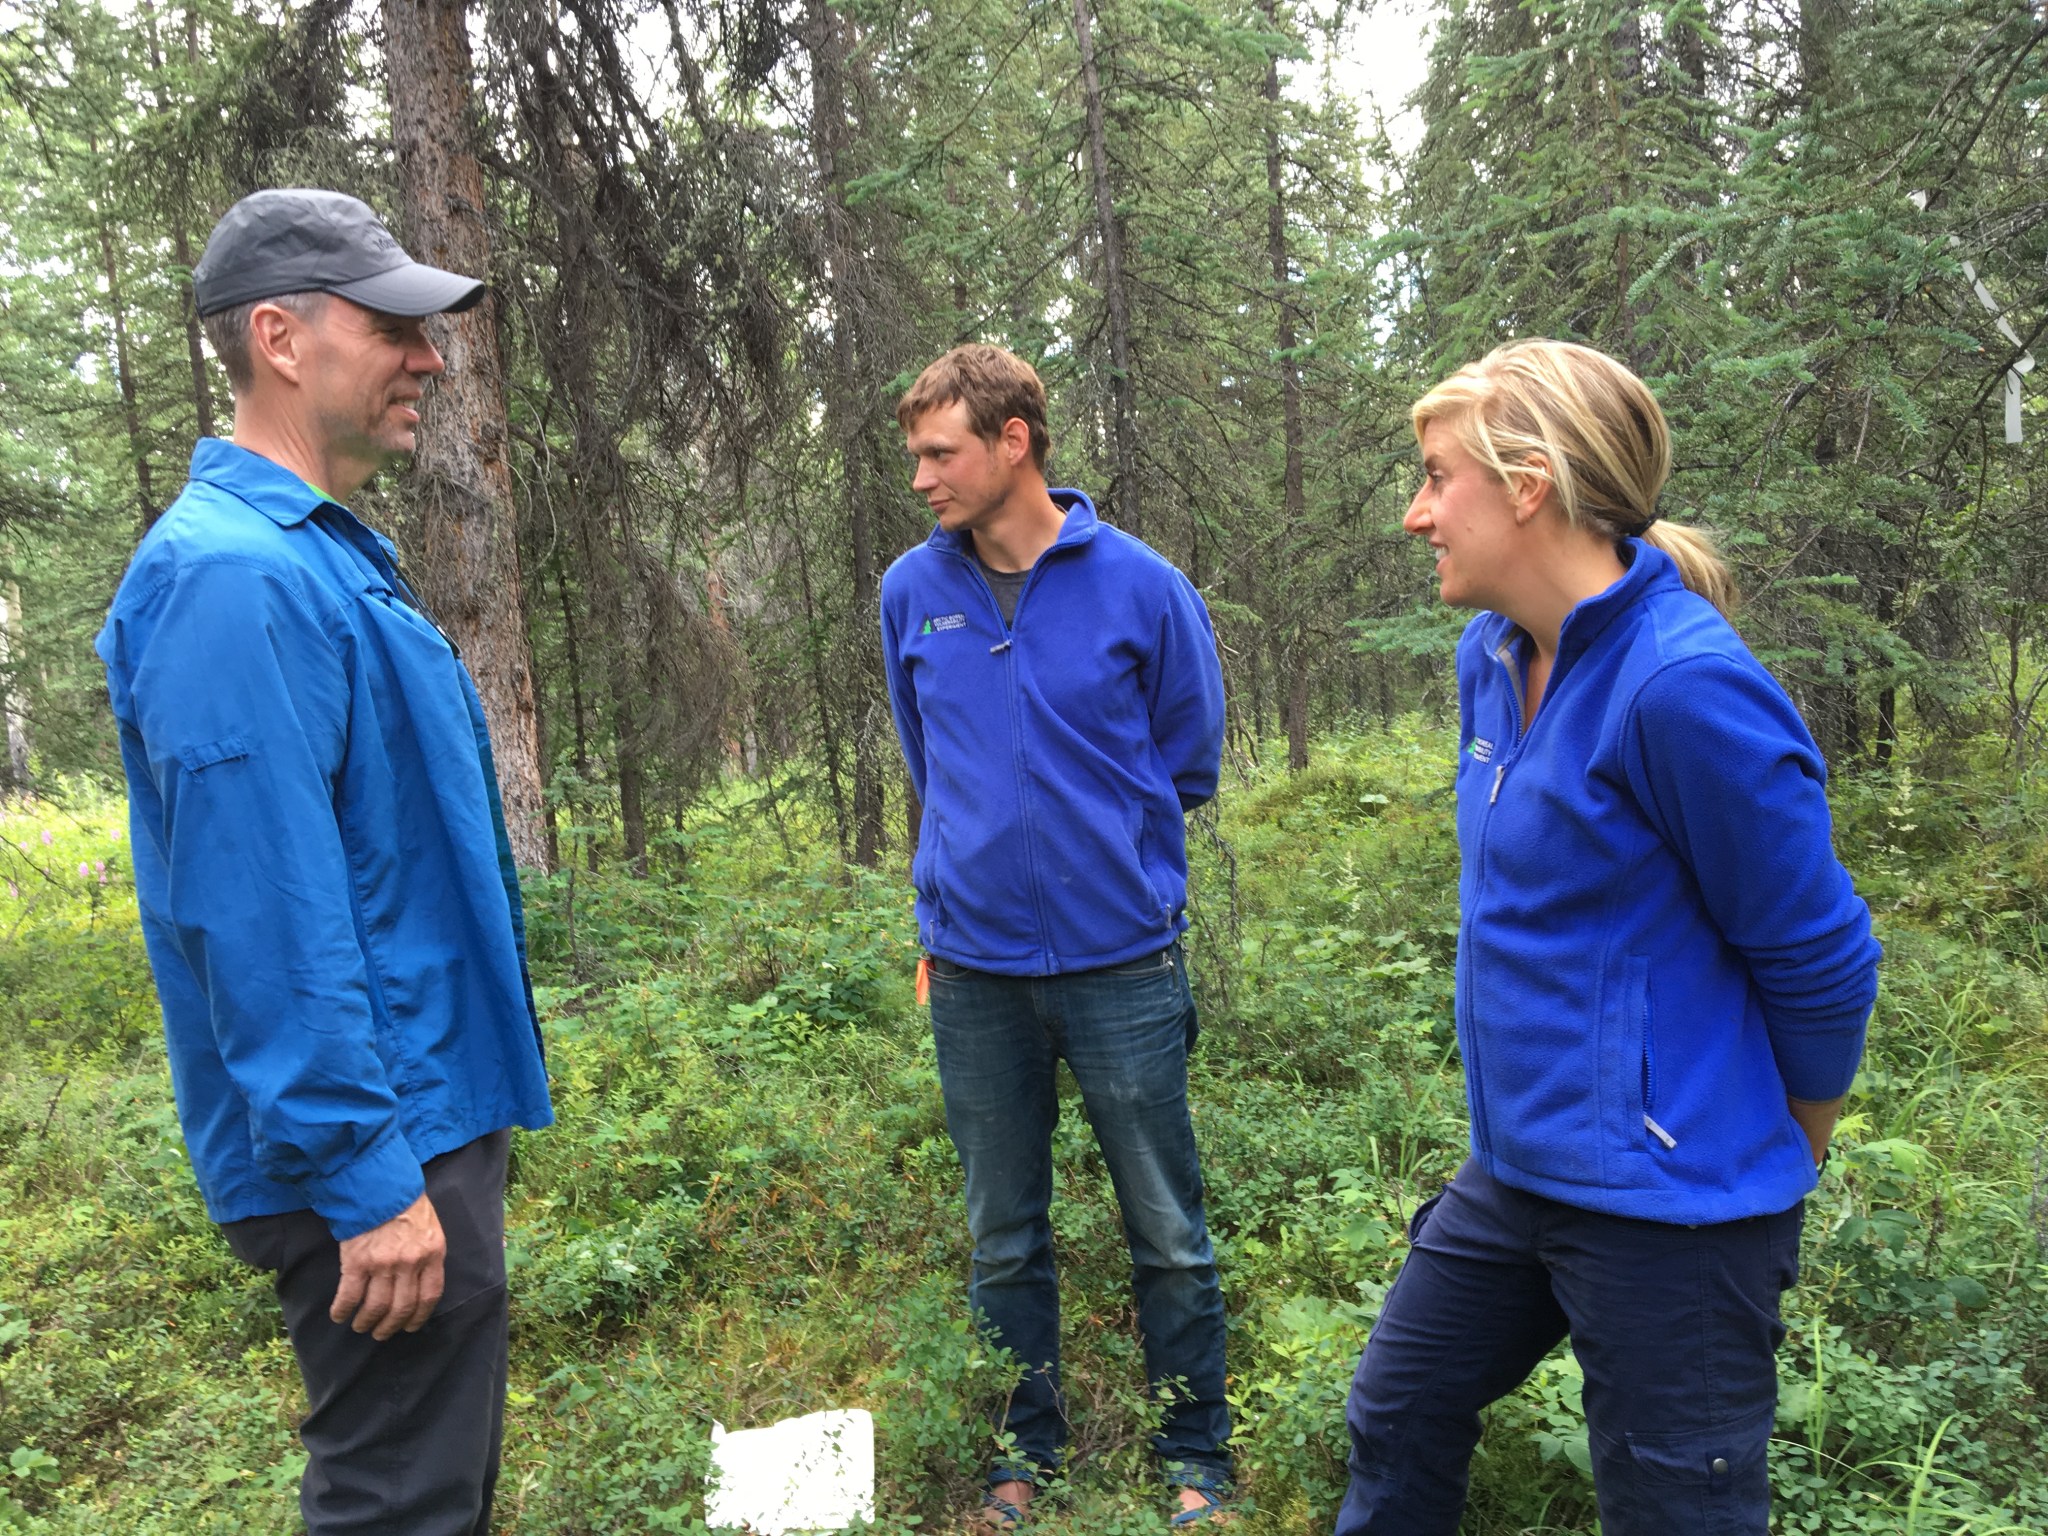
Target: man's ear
pixel 1532 488
pixel 277 340
pixel 1016 441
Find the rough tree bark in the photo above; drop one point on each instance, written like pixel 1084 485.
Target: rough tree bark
pixel 462 479
pixel 1115 297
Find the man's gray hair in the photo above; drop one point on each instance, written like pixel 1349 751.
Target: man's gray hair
pixel 227 332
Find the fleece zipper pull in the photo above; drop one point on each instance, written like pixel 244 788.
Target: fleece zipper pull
pixel 1500 772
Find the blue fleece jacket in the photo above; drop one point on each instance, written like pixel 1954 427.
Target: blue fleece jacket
pixel 1658 944
pixel 1055 757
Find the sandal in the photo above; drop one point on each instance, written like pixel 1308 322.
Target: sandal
pixel 997 1515
pixel 1215 1509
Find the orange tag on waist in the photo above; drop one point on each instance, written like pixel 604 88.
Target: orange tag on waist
pixel 924 980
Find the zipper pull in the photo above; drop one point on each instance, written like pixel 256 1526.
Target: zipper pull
pixel 997 650
pixel 1658 1131
pixel 1500 772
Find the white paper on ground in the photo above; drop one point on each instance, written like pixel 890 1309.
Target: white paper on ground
pixel 816 1473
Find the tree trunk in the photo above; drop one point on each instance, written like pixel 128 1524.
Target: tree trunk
pixel 181 239
pixel 1886 741
pixel 814 653
pixel 1296 708
pixel 462 479
pixel 1820 23
pixel 578 722
pixel 1629 73
pixel 1124 493
pixel 1293 492
pixel 847 405
pixel 632 778
pixel 124 374
pixel 15 775
pixel 195 351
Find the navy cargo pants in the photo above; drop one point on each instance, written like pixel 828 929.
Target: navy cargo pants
pixel 1675 1328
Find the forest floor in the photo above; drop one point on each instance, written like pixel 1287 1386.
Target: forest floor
pixel 749 1208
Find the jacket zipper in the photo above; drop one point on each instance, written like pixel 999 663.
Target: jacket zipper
pixel 1005 648
pixel 1503 655
pixel 1650 1087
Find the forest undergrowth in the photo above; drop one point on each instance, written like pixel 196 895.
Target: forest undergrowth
pixel 749 1208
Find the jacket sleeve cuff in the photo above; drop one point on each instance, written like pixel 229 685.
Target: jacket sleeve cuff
pixel 1819 1062
pixel 368 1190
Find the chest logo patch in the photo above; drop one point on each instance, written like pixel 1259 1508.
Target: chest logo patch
pixel 939 623
pixel 1481 749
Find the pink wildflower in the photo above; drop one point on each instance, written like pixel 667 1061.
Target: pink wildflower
pixel 13 891
pixel 99 866
pixel 47 839
pixel 84 868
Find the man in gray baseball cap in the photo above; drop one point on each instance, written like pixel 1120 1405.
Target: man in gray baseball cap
pixel 328 897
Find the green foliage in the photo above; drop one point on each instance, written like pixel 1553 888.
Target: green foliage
pixel 750 1206
pixel 73 975
pixel 750 1209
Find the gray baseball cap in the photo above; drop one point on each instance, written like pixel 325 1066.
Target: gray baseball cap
pixel 302 240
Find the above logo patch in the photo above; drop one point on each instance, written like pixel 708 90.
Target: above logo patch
pixel 934 624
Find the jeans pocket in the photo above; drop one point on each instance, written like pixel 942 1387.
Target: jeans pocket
pixel 945 970
pixel 1422 1214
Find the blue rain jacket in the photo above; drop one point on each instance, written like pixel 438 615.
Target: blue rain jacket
pixel 1657 943
pixel 1054 758
pixel 327 893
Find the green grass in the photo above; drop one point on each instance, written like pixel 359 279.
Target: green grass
pixel 750 1209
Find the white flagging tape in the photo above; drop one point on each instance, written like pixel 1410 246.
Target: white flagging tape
pixel 2024 365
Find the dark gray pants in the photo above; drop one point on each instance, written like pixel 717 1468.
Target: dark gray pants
pixel 402 1436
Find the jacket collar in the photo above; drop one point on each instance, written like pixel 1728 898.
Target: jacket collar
pixel 264 484
pixel 273 490
pixel 1079 527
pixel 1648 570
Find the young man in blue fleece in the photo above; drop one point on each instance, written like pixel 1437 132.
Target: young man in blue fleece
pixel 327 892
pixel 1057 691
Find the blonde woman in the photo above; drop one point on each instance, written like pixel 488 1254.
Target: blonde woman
pixel 1663 976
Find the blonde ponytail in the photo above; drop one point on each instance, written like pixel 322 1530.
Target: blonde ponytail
pixel 1600 431
pixel 1699 563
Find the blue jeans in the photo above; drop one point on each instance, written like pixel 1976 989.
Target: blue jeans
pixel 1125 1033
pixel 1675 1328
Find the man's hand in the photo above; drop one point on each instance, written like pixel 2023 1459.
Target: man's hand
pixel 1817 1118
pixel 391 1275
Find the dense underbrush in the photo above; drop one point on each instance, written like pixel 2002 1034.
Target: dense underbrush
pixel 750 1209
